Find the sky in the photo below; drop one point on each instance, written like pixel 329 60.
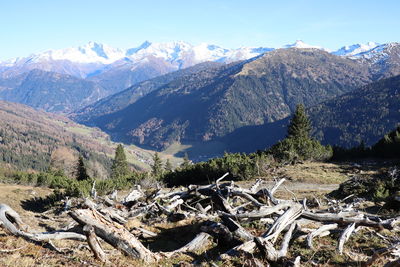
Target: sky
pixel 32 26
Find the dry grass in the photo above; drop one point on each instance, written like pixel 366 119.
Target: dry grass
pixel 316 172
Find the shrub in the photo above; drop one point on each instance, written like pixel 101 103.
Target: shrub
pixel 240 167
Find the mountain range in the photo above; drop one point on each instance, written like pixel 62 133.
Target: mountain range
pixel 115 69
pixel 205 94
pixel 214 102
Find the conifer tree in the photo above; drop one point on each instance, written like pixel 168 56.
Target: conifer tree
pixel 298 144
pixel 157 165
pixel 81 172
pixel 300 126
pixel 120 166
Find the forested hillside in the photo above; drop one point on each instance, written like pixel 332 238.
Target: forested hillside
pixel 363 115
pixel 31 139
pixel 214 102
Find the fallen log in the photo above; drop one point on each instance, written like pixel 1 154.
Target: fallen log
pixel 94 243
pixel 8 217
pixel 114 234
pixel 346 219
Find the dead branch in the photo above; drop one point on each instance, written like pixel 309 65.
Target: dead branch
pixel 320 231
pixel 94 243
pixel 345 236
pixel 114 234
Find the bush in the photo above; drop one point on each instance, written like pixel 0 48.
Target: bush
pixel 240 167
pixel 299 149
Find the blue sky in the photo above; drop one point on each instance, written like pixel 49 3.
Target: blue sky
pixel 29 26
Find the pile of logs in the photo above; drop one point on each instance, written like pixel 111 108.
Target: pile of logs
pixel 222 208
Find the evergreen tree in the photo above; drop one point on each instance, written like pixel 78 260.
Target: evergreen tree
pixel 168 166
pixel 298 145
pixel 157 165
pixel 186 162
pixel 300 126
pixel 81 172
pixel 120 166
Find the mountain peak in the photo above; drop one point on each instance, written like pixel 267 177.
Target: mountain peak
pixel 300 44
pixel 352 50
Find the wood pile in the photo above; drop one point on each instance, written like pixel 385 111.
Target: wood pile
pixel 223 209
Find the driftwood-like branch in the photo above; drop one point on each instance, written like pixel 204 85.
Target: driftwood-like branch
pixel 318 232
pixel 283 221
pixel 267 247
pixel 8 216
pixel 263 212
pixel 346 219
pixel 114 234
pixel 94 243
pixel 198 243
pixel 345 236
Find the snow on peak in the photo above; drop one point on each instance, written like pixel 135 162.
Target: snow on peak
pixel 92 52
pixel 355 49
pixel 376 54
pixel 132 51
pixel 300 44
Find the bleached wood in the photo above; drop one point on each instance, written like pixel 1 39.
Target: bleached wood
pixel 345 236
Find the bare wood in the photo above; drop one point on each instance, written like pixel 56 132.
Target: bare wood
pixel 94 243
pixel 283 221
pixel 247 196
pixel 379 253
pixel 319 232
pixel 276 186
pixel 199 242
pixel 271 253
pixel 345 236
pixel 263 212
pixel 238 231
pixel 346 219
pixel 115 234
pixel 134 195
pixel 7 212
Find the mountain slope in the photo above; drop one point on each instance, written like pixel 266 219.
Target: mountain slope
pixel 50 91
pixel 31 139
pixel 212 103
pixel 365 114
pixel 384 60
pixel 123 99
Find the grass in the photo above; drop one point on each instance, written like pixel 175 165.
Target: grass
pixel 316 172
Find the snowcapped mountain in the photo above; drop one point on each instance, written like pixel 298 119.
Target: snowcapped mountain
pixel 352 50
pixel 301 44
pixel 94 58
pixel 117 69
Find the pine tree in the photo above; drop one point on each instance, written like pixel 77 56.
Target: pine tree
pixel 120 166
pixel 300 126
pixel 81 172
pixel 298 144
pixel 157 165
pixel 168 166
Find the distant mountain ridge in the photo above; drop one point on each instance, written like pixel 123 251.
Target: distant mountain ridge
pixel 94 58
pixel 50 91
